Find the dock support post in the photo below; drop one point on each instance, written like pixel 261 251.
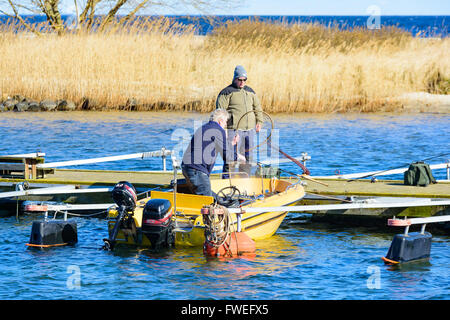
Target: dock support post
pixel 422 229
pixel 26 172
pixel 239 222
pixel 406 231
pixel 163 156
pixel 175 183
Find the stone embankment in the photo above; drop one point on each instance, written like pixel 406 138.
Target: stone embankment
pixel 414 102
pixel 20 104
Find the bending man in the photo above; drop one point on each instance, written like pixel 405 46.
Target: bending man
pixel 200 156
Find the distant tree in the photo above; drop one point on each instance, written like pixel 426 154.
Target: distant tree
pixel 102 12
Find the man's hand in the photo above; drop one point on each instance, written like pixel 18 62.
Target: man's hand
pixel 241 158
pixel 258 127
pixel 235 140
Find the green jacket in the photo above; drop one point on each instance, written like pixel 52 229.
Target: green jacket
pixel 237 102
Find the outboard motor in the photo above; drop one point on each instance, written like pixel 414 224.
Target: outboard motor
pixel 124 195
pixel 157 223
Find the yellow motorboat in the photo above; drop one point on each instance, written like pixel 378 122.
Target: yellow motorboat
pixel 174 218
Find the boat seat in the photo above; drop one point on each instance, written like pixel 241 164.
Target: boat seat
pixel 182 186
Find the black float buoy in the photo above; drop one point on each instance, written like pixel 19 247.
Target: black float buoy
pixel 410 247
pixel 52 233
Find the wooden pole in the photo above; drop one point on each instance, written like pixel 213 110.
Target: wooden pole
pixel 306 177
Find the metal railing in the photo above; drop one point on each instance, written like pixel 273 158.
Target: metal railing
pixel 163 153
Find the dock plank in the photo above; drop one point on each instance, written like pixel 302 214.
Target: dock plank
pixel 106 177
pixel 381 188
pixel 151 179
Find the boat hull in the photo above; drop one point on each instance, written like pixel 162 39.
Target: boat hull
pixel 189 227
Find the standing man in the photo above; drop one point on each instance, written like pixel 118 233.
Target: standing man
pixel 238 99
pixel 200 156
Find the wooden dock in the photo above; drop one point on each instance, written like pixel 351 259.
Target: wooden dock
pixel 151 179
pixel 334 190
pixel 320 190
pixel 143 179
pixel 381 188
pixel 82 179
pixel 387 190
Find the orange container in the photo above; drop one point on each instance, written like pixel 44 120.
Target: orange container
pixel 239 243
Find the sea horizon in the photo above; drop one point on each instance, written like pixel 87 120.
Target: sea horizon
pixel 423 25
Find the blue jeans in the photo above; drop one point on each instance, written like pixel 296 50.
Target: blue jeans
pixel 244 147
pixel 197 181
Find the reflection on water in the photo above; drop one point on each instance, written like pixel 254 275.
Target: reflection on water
pixel 221 278
pixel 299 262
pixel 302 261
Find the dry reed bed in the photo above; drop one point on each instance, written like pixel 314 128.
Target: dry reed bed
pixel 299 68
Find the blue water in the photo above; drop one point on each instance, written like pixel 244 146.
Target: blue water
pixel 435 26
pixel 302 261
pixel 426 25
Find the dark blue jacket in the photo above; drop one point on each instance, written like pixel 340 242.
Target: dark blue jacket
pixel 206 142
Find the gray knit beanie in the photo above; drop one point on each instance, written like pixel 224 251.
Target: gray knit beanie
pixel 239 71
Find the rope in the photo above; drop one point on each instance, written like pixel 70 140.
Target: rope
pixel 79 215
pixel 218 228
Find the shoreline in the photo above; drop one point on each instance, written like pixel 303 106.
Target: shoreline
pixel 420 102
pixel 414 102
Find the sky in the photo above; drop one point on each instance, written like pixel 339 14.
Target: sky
pixel 300 7
pixel 343 7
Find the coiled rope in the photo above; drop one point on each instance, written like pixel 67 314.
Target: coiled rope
pixel 218 227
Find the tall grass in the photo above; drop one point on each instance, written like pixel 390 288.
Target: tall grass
pixel 159 64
